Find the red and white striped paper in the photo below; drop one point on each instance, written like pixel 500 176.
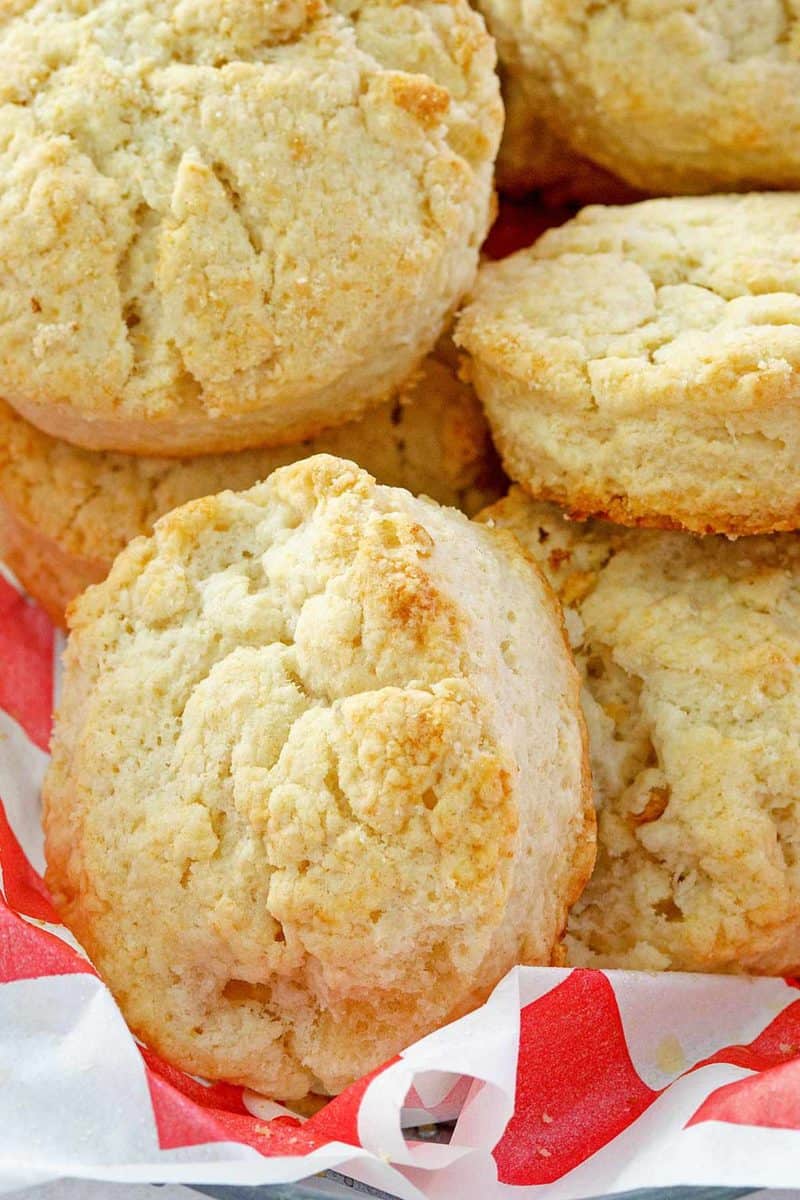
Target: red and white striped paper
pixel 580 1082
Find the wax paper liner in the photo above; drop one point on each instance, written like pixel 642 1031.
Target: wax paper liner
pixel 567 1083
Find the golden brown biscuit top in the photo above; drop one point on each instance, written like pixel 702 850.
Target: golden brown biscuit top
pixel 687 96
pixel 670 302
pixel 334 731
pixel 204 203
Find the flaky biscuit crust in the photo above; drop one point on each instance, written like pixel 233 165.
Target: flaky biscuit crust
pixel 227 225
pixel 690 656
pixel 643 362
pixel 318 776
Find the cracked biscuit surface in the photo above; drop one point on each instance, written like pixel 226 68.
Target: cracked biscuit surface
pixel 643 362
pixel 690 656
pixel 673 96
pixel 319 776
pixel 232 224
pixel 65 513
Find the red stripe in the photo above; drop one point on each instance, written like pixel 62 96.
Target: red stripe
pixel 224 1096
pixel 778 1043
pixel 26 664
pixel 770 1099
pixel 30 953
pixel 338 1120
pixel 576 1085
pixel 24 889
pixel 187 1113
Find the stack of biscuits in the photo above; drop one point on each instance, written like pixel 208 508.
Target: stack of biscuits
pixel 332 755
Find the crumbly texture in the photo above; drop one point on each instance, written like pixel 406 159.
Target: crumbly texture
pixel 69 512
pixel 643 362
pixel 227 223
pixel 689 650
pixel 319 776
pixel 673 96
pixel 534 159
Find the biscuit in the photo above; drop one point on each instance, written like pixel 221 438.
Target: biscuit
pixel 643 362
pixel 319 776
pixel 65 513
pixel 689 650
pixel 677 97
pixel 532 158
pixel 228 223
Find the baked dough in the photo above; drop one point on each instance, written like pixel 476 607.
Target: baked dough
pixel 534 159
pixel 318 776
pixel 65 513
pixel 673 96
pixel 229 223
pixel 689 649
pixel 643 362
